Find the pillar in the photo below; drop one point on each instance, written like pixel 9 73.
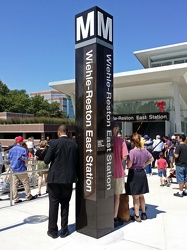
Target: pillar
pixel 94 107
pixel 177 108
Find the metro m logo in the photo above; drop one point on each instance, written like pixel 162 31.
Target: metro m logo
pixel 94 23
pixel 106 30
pixel 81 29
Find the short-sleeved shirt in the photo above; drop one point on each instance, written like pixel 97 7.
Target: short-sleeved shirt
pixel 162 163
pixel 148 144
pixel 15 154
pixel 158 145
pixel 30 144
pixel 40 153
pixel 181 150
pixel 120 150
pixel 171 150
pixel 138 157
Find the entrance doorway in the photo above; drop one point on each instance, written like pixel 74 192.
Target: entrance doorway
pixel 149 128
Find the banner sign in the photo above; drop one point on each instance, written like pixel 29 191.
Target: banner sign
pixel 147 117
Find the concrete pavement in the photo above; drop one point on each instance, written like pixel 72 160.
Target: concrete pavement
pixel 24 225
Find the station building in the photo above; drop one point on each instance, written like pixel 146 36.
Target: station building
pixel 152 100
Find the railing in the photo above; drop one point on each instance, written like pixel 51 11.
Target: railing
pixel 10 173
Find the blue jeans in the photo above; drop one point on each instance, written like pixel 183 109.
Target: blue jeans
pixel 162 172
pixel 181 174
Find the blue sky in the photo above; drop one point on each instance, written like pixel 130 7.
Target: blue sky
pixel 37 43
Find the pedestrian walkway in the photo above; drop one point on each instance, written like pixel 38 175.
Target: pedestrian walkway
pixel 24 226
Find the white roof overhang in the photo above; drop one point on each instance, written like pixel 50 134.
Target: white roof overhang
pixel 144 84
pixel 161 53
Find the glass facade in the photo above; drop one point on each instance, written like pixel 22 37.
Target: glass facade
pixel 155 63
pixel 148 106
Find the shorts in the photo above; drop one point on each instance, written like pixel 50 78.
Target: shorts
pixel 162 172
pixel 119 185
pixel 41 166
pixel 181 174
pixel 171 159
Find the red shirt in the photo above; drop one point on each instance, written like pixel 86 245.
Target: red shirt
pixel 120 150
pixel 162 163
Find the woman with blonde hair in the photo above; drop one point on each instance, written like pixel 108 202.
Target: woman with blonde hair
pixel 39 156
pixel 30 146
pixel 137 184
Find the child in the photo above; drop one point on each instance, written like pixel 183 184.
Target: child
pixel 162 167
pixel 172 174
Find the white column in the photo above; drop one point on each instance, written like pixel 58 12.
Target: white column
pixel 168 128
pixel 177 108
pixel 127 128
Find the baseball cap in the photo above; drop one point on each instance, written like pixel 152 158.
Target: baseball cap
pixel 146 137
pixel 19 139
pixel 173 137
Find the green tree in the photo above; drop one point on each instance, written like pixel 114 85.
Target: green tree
pixel 19 101
pixel 55 111
pixel 4 92
pixel 38 106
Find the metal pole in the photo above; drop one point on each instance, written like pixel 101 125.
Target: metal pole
pixel 11 187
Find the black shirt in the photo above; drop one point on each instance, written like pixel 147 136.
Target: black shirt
pixel 40 153
pixel 181 150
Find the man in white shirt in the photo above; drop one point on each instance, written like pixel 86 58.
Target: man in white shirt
pixel 158 146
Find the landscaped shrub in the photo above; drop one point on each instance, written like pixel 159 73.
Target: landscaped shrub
pixel 45 120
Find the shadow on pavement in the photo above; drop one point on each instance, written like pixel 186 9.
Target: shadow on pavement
pixel 31 220
pixel 151 211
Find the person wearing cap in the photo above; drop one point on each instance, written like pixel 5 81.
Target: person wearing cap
pixel 148 144
pixel 120 154
pixel 18 158
pixel 171 148
pixel 158 146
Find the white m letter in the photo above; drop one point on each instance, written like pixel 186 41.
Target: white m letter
pixel 82 28
pixel 106 29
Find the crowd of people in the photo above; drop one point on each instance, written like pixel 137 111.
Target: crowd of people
pixel 63 158
pixel 22 156
pixel 168 155
pixel 135 157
